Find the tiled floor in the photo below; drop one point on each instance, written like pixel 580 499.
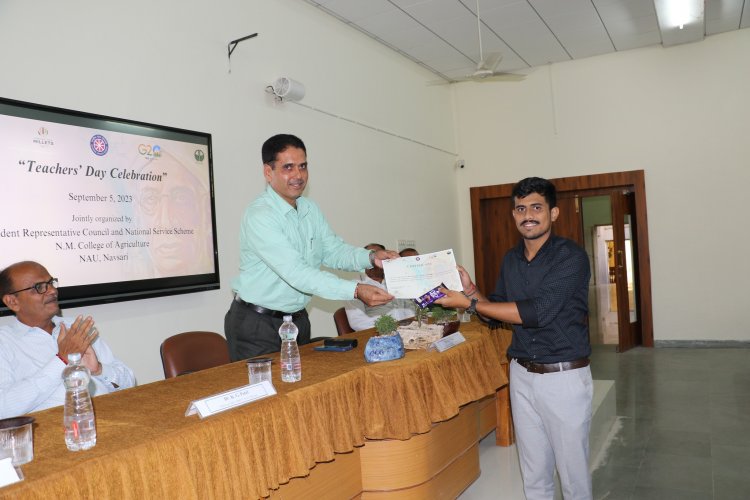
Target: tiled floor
pixel 684 429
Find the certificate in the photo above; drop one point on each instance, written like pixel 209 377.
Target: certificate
pixel 410 277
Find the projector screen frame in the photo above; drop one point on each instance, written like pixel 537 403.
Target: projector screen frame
pixel 135 289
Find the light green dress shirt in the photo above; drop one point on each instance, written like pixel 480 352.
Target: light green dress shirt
pixel 282 249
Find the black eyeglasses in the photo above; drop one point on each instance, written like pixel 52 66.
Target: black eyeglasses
pixel 41 287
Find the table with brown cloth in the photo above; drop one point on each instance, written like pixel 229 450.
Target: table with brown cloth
pixel 147 448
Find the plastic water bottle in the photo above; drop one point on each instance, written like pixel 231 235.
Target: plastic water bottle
pixel 78 414
pixel 291 365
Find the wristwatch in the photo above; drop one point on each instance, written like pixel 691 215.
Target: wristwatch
pixel 372 258
pixel 472 309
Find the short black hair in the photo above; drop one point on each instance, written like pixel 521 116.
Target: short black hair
pixel 408 249
pixel 279 143
pixel 536 185
pixel 375 245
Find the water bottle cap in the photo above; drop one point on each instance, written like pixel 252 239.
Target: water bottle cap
pixel 74 357
pixel 288 318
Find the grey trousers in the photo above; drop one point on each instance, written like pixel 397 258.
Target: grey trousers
pixel 552 417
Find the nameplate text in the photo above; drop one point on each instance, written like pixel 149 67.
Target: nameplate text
pixel 233 398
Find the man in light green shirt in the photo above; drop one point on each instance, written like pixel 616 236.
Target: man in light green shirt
pixel 284 239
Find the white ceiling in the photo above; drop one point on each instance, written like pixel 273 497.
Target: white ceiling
pixel 441 35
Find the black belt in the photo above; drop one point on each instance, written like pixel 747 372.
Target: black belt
pixel 271 312
pixel 534 367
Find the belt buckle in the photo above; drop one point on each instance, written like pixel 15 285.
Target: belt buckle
pixel 528 365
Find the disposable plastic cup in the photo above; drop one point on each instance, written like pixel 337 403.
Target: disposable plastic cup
pixel 464 316
pixel 258 370
pixel 16 439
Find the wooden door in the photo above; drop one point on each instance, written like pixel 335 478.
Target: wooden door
pixel 626 263
pixel 569 223
pixel 496 242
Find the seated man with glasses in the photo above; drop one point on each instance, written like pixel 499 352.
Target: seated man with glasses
pixel 34 347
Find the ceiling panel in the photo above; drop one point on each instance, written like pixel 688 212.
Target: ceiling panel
pixel 723 15
pixel 463 36
pixel 442 34
pixel 355 10
pixel 549 8
pixel 403 38
pixel 581 32
pixel 521 28
pixel 436 11
pixel 408 3
pixel 459 29
pixel 626 38
pixel 436 51
pixel 393 22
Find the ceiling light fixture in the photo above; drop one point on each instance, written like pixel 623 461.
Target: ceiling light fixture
pixel 678 13
pixel 680 21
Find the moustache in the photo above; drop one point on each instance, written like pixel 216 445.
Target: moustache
pixel 529 221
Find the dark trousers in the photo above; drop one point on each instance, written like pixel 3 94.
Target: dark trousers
pixel 251 334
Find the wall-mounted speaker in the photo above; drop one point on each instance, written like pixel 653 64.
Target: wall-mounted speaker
pixel 287 89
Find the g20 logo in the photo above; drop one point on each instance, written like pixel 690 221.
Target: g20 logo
pixel 149 151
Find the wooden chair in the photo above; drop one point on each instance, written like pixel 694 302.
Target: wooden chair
pixel 193 351
pixel 342 322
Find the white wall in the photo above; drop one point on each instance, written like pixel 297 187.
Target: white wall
pixel 165 62
pixel 681 115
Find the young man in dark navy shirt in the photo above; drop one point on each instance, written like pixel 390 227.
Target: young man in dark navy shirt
pixel 542 291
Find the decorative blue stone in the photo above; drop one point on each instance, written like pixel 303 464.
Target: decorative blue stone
pixel 384 348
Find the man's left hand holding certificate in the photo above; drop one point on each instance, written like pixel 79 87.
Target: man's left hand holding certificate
pixel 410 277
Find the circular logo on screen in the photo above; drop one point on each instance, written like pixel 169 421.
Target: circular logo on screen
pixel 199 155
pixel 99 145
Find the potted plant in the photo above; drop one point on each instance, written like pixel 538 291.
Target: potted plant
pixel 446 317
pixel 387 345
pixel 420 314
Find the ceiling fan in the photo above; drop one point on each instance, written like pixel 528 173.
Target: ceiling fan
pixel 487 66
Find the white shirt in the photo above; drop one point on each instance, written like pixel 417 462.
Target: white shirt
pixel 31 372
pixel 362 316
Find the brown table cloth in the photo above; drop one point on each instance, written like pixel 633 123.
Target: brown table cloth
pixel 147 448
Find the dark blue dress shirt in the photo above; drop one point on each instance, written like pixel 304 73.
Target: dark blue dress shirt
pixel 551 292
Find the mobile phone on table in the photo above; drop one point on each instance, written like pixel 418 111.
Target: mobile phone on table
pixel 334 348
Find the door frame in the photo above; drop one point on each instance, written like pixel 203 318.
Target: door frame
pixel 622 203
pixel 634 180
